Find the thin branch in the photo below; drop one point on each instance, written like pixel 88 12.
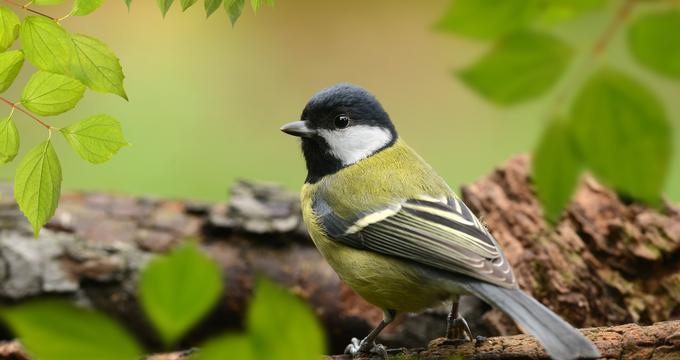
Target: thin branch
pixel 15 106
pixel 64 17
pixel 619 20
pixel 597 50
pixel 25 7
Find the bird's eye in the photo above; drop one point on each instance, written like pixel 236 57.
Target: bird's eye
pixel 341 121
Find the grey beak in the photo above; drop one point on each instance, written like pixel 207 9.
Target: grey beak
pixel 298 128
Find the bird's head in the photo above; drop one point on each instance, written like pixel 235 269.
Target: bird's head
pixel 339 126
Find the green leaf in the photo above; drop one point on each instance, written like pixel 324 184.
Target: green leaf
pixel 9 140
pixel 37 184
pixel 297 334
pixel 50 94
pixel 10 65
pixel 96 139
pixel 653 40
pixel 235 346
pixel 557 11
pixel 234 9
pixel 97 66
pixel 292 334
pixel 47 45
pixel 85 7
pixel 164 5
pixel 520 67
pixel 47 2
pixel 187 4
pixel 211 6
pixel 488 19
pixel 556 169
pixel 9 28
pixel 56 330
pixel 178 289
pixel 128 3
pixel 622 133
pixel 255 4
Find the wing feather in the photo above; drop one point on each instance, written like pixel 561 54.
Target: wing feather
pixel 442 233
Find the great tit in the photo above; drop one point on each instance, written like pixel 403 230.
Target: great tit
pixel 396 233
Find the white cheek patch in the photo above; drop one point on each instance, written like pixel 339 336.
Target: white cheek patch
pixel 355 142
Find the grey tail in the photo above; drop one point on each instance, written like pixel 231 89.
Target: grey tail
pixel 560 340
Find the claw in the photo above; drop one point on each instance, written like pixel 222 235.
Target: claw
pixel 457 328
pixel 357 347
pixel 353 347
pixel 379 350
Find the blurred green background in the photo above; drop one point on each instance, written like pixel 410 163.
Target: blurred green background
pixel 206 99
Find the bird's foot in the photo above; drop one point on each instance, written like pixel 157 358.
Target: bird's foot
pixel 457 329
pixel 356 348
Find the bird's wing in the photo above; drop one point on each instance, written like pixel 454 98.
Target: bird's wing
pixel 442 233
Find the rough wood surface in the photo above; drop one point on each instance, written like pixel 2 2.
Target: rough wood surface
pixel 631 341
pixel 607 262
pixel 660 341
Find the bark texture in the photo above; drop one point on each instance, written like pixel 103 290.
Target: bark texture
pixel 660 341
pixel 631 341
pixel 607 262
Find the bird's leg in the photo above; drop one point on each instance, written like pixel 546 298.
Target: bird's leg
pixel 456 326
pixel 368 345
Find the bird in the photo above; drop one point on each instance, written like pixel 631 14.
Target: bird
pixel 395 232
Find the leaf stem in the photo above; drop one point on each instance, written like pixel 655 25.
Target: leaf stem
pixel 597 50
pixel 619 20
pixel 16 106
pixel 64 17
pixel 26 7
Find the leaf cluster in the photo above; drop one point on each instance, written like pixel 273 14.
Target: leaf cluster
pixel 614 125
pixel 233 8
pixel 176 291
pixel 66 65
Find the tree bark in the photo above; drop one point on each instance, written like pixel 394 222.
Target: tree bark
pixel 660 341
pixel 607 262
pixel 631 341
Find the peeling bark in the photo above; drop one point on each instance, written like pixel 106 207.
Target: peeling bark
pixel 606 262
